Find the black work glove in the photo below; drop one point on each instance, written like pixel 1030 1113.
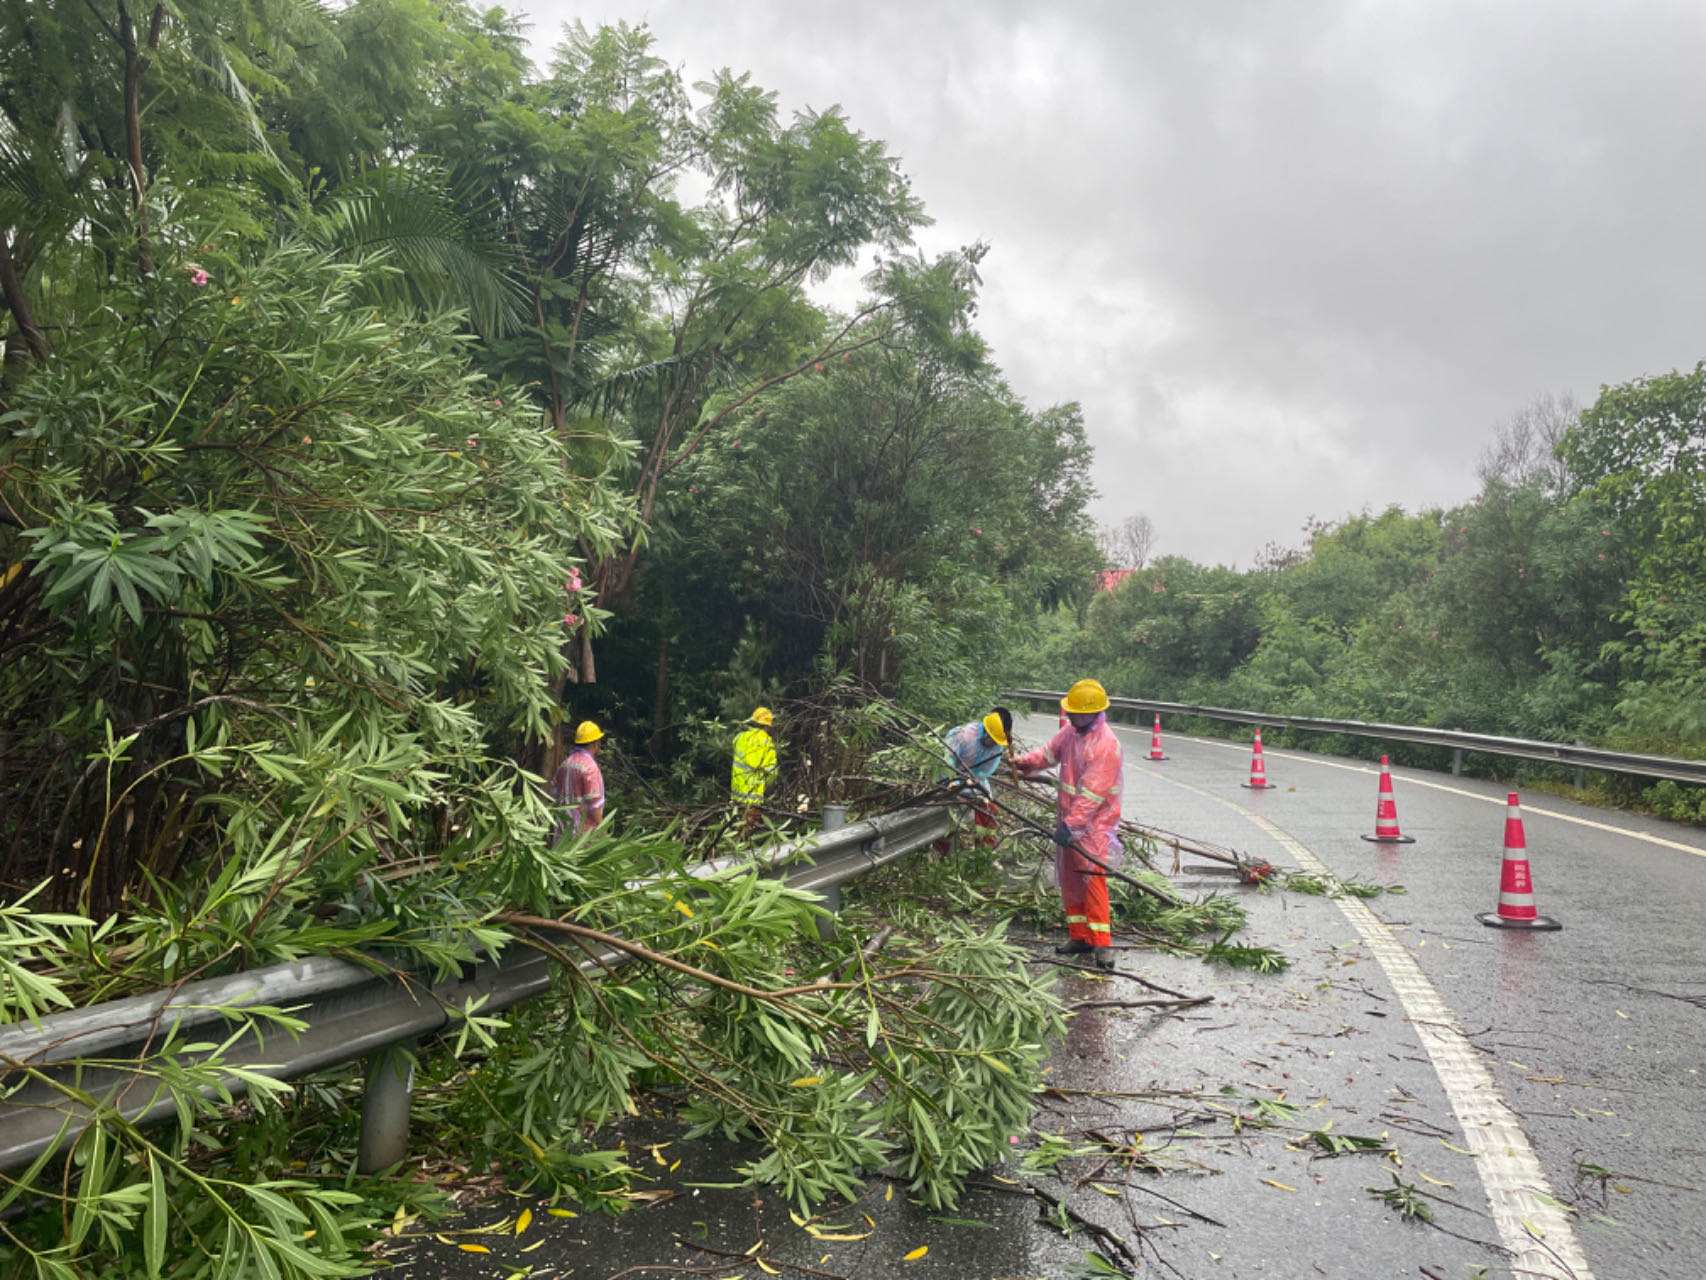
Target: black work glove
pixel 1062 834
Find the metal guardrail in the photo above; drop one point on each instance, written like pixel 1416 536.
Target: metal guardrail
pixel 1576 755
pixel 351 1012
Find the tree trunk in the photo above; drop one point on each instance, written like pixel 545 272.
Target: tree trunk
pixel 18 303
pixel 134 65
pixel 587 668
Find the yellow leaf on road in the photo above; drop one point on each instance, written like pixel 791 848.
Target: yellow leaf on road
pixel 524 1221
pixel 889 1194
pixel 1424 1177
pixel 473 1248
pixel 562 1213
pixel 1280 1185
pixel 917 1253
pixel 766 1268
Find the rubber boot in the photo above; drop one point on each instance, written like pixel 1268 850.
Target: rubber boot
pixel 1076 947
pixel 1104 957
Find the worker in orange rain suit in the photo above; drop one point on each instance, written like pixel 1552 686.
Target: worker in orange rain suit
pixel 1088 816
pixel 578 785
pixel 976 751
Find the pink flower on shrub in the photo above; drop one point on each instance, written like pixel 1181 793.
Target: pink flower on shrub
pixel 198 277
pixel 571 620
pixel 977 533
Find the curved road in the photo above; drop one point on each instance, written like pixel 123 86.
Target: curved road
pixel 1588 1042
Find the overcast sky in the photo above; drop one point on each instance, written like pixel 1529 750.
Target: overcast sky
pixel 1292 258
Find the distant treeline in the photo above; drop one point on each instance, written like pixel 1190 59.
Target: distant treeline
pixel 1566 600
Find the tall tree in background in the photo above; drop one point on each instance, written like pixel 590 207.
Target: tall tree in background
pixel 1640 449
pixel 1524 448
pixel 652 319
pixel 1130 544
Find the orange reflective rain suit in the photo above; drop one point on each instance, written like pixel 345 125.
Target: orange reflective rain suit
pixel 578 789
pixel 1088 802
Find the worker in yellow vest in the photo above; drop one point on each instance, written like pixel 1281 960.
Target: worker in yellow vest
pixel 754 765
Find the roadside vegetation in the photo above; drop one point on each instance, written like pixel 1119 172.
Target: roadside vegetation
pixel 1565 601
pixel 375 404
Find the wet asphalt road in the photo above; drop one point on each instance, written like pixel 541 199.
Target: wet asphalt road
pixel 1591 1045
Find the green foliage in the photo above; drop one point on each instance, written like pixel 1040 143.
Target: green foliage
pixel 259 515
pixel 1402 1196
pixel 1564 606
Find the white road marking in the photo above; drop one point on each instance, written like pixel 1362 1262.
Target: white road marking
pixel 1523 1208
pixel 1522 1203
pixel 1411 781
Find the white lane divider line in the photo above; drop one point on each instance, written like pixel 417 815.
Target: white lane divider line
pixel 1524 1210
pixel 1530 1223
pixel 1411 781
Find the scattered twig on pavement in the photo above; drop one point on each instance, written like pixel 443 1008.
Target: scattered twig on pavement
pixel 699 1246
pixel 1094 1229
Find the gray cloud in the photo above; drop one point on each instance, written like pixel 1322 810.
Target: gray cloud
pixel 1292 258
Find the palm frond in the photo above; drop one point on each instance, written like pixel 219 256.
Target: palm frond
pixel 450 254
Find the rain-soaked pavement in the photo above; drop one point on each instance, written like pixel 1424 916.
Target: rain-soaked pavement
pixel 1589 1041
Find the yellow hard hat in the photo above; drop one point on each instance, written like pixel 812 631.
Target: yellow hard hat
pixel 588 732
pixel 995 729
pixel 1085 698
pixel 762 716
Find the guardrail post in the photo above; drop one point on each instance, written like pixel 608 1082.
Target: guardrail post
pixel 385 1102
pixel 1581 773
pixel 1457 762
pixel 834 818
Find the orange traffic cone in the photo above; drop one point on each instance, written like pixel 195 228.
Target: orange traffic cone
pixel 1155 752
pixel 1516 889
pixel 1258 770
pixel 1386 812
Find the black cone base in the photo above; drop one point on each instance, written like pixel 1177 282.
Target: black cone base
pixel 1258 786
pixel 1540 924
pixel 1157 757
pixel 1390 839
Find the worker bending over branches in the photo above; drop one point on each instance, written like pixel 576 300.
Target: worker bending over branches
pixel 754 765
pixel 1087 812
pixel 976 750
pixel 577 787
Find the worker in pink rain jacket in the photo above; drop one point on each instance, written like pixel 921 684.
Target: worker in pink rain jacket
pixel 578 785
pixel 1088 813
